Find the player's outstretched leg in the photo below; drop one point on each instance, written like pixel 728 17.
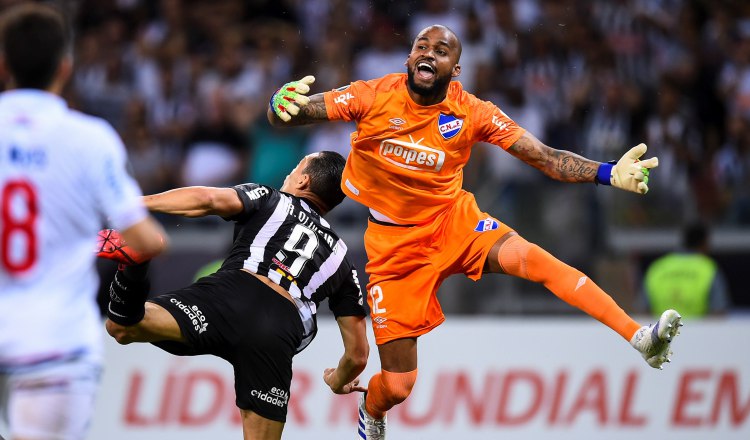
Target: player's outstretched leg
pixel 369 427
pixel 654 340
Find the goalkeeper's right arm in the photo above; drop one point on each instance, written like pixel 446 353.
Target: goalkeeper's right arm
pixel 290 105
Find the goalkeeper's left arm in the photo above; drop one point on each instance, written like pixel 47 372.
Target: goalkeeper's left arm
pixel 629 173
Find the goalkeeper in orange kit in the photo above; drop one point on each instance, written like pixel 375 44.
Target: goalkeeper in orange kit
pixel 415 131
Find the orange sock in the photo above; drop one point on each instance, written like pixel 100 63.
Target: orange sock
pixel 386 390
pixel 526 260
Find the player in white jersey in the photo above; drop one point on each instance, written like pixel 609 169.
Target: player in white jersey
pixel 62 176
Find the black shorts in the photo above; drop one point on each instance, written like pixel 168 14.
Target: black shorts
pixel 234 315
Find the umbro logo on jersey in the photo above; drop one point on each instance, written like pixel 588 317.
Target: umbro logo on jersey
pixel 487 224
pixel 197 318
pixel 396 123
pixel 449 126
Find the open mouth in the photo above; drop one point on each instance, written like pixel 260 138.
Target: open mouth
pixel 425 70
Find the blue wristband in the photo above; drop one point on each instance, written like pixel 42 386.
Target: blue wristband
pixel 604 173
pixel 270 101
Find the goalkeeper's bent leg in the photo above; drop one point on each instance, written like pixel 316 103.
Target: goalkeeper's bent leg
pixel 127 295
pixel 520 258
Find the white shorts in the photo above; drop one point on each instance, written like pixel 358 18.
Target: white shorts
pixel 50 402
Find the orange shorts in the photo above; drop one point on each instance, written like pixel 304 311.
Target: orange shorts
pixel 407 264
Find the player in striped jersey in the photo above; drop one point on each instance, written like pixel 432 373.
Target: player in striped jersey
pixel 259 309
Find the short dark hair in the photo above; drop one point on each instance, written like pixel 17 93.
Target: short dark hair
pixel 325 171
pixel 34 39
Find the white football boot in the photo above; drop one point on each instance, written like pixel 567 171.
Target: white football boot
pixel 369 427
pixel 654 340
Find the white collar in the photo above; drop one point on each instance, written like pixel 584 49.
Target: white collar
pixel 32 99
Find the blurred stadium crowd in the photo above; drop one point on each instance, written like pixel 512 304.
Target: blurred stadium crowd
pixel 187 82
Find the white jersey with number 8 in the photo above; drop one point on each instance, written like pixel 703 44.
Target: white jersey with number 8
pixel 62 176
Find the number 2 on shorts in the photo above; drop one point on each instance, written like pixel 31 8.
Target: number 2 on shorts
pixel 376 294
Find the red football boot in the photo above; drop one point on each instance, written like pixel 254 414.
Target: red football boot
pixel 111 246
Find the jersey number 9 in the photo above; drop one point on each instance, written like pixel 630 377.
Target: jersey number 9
pixel 303 242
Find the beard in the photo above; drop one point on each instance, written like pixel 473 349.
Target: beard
pixel 439 85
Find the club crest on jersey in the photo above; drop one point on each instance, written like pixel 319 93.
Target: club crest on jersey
pixel 487 224
pixel 449 126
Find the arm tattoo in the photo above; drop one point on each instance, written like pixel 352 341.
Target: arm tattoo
pixel 314 111
pixel 574 168
pixel 558 164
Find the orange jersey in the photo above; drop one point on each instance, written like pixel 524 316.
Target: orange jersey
pixel 407 160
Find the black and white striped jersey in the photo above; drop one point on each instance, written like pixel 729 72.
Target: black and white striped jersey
pixel 283 238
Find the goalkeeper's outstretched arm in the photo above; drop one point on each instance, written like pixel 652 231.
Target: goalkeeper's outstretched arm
pixel 313 111
pixel 629 173
pixel 290 105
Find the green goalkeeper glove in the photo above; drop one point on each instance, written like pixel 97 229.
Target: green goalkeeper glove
pixel 286 101
pixel 629 173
